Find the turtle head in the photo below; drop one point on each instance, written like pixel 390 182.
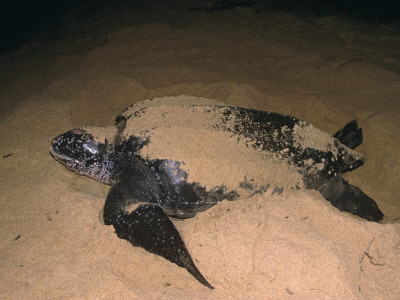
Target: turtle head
pixel 84 153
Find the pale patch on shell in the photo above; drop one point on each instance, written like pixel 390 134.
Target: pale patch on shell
pixel 307 136
pixel 181 100
pixel 200 149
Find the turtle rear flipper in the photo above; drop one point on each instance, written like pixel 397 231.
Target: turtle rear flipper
pixel 349 198
pixel 146 225
pixel 350 135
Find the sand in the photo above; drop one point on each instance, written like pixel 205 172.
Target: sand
pixel 326 71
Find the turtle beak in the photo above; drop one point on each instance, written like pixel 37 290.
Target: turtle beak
pixel 54 146
pixel 55 149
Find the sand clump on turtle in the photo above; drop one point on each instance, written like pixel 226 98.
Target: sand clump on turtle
pixel 177 156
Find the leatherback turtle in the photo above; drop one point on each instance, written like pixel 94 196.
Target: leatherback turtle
pixel 176 156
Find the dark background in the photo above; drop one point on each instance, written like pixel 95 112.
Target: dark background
pixel 20 21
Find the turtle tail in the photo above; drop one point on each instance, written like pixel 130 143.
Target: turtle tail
pixel 350 135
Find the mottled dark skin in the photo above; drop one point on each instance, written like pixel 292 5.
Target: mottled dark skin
pixel 144 193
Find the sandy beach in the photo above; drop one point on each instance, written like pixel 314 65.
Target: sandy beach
pixel 98 60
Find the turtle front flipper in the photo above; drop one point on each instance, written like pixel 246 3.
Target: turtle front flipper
pixel 132 207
